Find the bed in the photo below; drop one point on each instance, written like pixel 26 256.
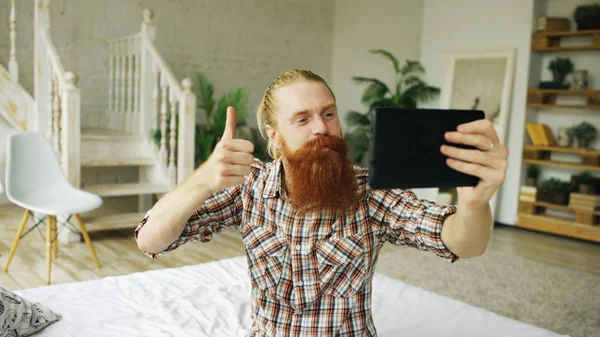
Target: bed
pixel 213 299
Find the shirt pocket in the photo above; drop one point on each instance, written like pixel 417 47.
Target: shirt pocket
pixel 341 265
pixel 268 253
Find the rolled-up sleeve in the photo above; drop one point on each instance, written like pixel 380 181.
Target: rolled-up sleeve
pixel 407 220
pixel 220 211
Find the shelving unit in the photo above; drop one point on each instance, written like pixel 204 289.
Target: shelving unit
pixel 565 220
pixel 551 41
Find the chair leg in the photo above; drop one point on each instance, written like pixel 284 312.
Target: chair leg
pixel 48 248
pixel 87 240
pixel 17 239
pixel 54 236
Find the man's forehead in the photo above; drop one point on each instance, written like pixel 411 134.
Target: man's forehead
pixel 302 97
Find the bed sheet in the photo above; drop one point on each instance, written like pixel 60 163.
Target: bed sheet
pixel 213 299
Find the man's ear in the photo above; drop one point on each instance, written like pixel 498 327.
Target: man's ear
pixel 273 136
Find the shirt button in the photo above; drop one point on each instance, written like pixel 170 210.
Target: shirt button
pixel 299 284
pixel 298 247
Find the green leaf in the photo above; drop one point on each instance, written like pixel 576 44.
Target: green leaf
pixel 419 93
pixel 376 90
pixel 389 56
pixel 355 118
pixel 384 103
pixel 204 92
pixel 358 144
pixel 412 66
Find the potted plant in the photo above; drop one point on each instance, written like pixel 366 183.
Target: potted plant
pixel 584 132
pixel 533 171
pixel 554 190
pixel 587 16
pixel 584 180
pixel 407 91
pixel 560 67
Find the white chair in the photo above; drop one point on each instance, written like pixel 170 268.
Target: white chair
pixel 36 182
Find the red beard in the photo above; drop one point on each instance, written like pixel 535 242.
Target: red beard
pixel 320 175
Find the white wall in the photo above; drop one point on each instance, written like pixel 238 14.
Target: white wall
pixel 461 25
pixel 237 43
pixel 360 25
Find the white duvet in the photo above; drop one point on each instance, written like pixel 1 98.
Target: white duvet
pixel 213 299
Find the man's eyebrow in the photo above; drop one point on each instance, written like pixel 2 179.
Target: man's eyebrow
pixel 302 112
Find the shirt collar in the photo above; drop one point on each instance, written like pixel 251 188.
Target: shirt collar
pixel 273 186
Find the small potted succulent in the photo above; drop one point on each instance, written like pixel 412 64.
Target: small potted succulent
pixel 554 191
pixel 587 16
pixel 560 67
pixel 533 171
pixel 584 132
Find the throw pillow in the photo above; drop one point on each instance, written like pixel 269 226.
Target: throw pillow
pixel 20 317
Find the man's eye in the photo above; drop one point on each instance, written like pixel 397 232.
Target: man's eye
pixel 329 114
pixel 301 120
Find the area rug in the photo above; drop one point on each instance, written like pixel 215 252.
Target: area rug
pixel 544 295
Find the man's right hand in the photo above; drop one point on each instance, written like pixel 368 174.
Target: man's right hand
pixel 230 160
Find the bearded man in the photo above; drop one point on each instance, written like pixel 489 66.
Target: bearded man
pixel 311 226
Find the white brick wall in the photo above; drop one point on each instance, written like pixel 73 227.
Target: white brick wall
pixel 237 43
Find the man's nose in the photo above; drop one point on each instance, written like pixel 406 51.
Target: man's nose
pixel 320 127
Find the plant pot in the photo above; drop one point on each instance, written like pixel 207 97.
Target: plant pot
pixel 583 142
pixel 586 189
pixel 553 197
pixel 558 77
pixel 589 23
pixel 531 181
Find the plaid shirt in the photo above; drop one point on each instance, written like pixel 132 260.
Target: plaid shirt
pixel 311 275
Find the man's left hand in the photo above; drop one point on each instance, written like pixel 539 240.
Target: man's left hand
pixel 488 161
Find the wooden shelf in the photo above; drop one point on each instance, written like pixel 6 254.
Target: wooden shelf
pixel 576 150
pixel 561 207
pixel 567 33
pixel 546 98
pixel 565 92
pixel 554 225
pixel 550 41
pixel 561 164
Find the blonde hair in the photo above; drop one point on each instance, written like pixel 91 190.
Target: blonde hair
pixel 265 115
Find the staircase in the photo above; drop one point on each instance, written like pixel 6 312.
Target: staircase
pixel 143 96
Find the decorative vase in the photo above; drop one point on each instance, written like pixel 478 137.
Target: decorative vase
pixel 564 138
pixel 531 181
pixel 590 23
pixel 580 80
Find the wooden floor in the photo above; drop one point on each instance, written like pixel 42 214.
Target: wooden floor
pixel 118 253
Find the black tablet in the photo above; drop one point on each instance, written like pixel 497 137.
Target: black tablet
pixel 405 148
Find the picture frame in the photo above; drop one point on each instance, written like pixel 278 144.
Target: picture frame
pixel 482 80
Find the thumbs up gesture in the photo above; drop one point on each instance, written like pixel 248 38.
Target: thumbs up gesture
pixel 230 160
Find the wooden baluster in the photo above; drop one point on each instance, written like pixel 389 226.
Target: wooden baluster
pixel 56 112
pixel 155 97
pixel 163 122
pixel 130 64
pixel 111 77
pixel 13 66
pixel 186 132
pixel 172 143
pixel 50 106
pixel 136 86
pixel 115 115
pixel 123 94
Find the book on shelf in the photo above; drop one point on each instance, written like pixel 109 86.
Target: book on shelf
pixel 528 193
pixel 540 134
